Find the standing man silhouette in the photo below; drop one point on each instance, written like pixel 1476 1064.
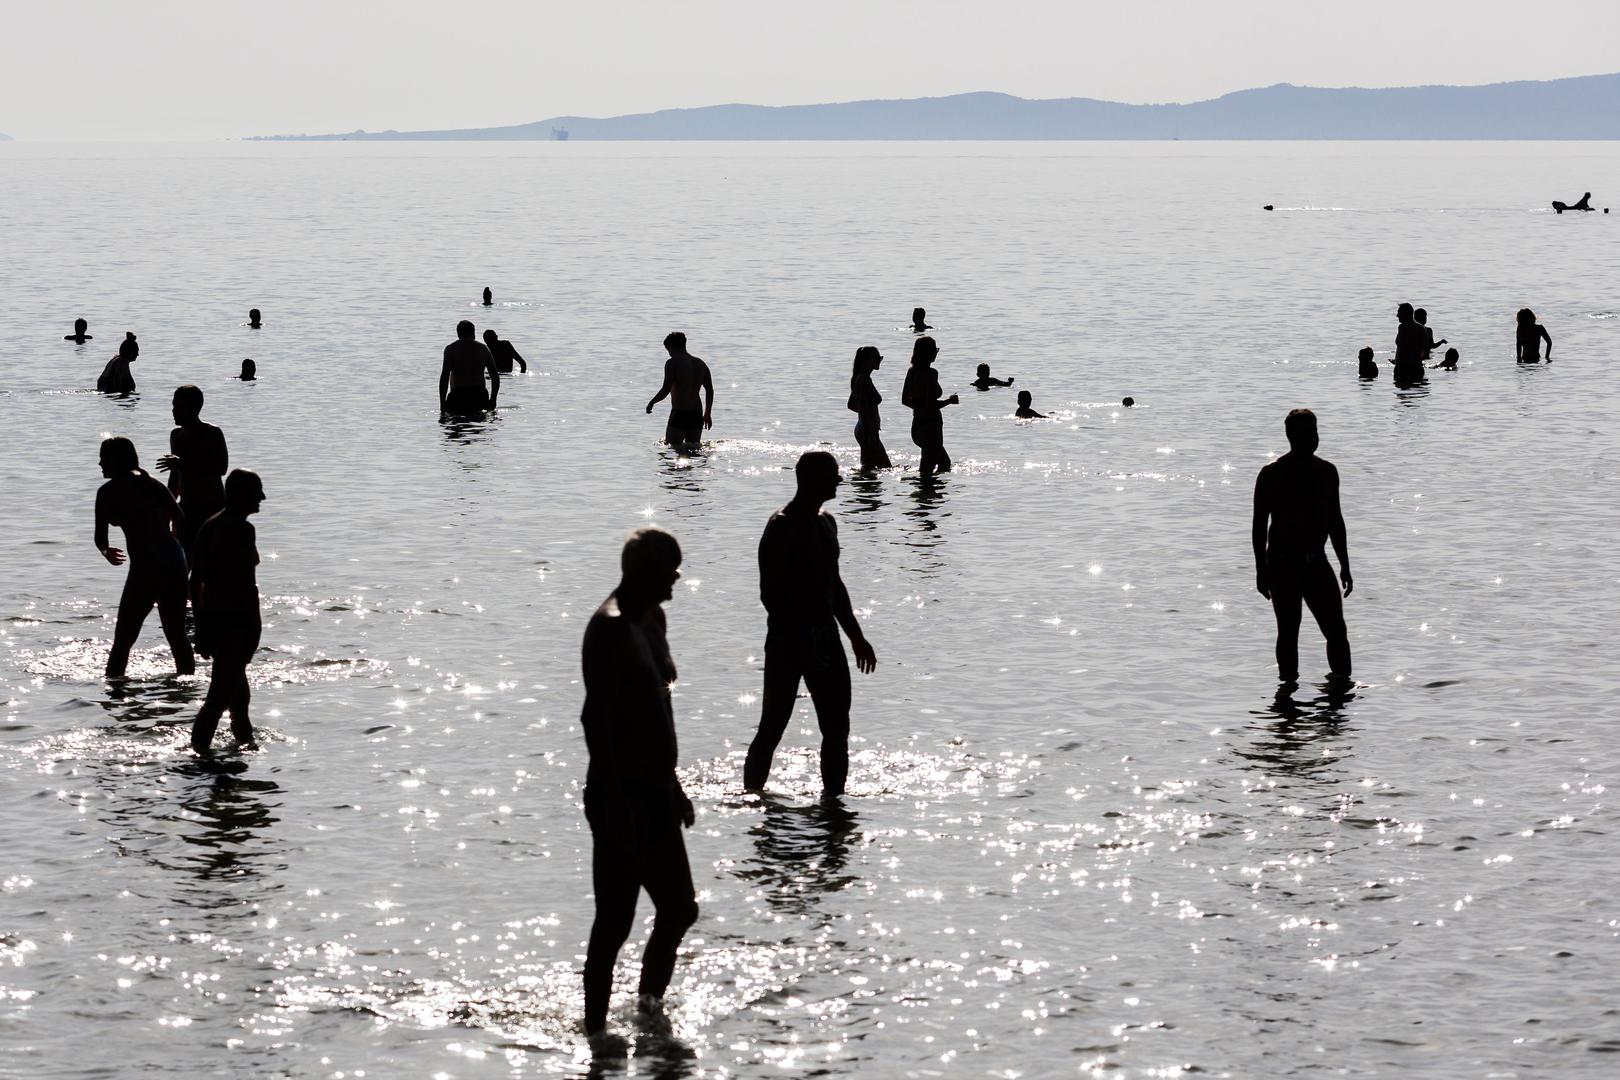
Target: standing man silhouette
pixel 461 376
pixel 684 376
pixel 1298 494
pixel 196 463
pixel 633 800
pixel 806 602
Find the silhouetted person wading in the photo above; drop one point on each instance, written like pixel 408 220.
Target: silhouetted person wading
pixel 461 378
pixel 684 376
pixel 225 597
pixel 864 400
pixel 805 604
pixel 1298 494
pixel 633 799
pixel 196 463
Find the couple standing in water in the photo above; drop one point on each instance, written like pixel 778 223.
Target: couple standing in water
pixel 634 803
pixel 920 393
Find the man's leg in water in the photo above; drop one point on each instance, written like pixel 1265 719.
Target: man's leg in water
pixel 830 693
pixel 616 884
pixel 781 695
pixel 1322 596
pixel 1285 601
pixel 667 877
pixel 140 593
pixel 171 607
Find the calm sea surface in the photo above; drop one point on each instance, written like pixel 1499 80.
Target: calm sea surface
pixel 1085 835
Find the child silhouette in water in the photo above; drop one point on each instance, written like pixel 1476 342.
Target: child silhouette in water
pixel 1024 411
pixel 1369 366
pixel 985 382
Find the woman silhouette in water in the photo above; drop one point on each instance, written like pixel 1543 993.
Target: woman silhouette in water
pixel 863 402
pixel 151 521
pixel 1530 336
pixel 921 396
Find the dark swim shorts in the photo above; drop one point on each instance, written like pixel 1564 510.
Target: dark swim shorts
pixel 687 422
pixel 466 400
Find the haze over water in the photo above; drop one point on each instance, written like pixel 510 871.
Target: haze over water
pixel 1084 834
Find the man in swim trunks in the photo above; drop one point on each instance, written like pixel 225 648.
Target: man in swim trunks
pixel 684 375
pixel 805 604
pixel 504 353
pixel 461 379
pixel 1298 494
pixel 634 803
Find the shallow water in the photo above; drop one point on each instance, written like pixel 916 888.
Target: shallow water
pixel 1085 835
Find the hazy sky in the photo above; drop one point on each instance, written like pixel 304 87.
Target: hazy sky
pixel 204 69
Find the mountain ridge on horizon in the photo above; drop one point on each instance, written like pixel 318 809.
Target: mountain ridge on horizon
pixel 1579 107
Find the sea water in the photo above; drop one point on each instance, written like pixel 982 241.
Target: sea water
pixel 1085 834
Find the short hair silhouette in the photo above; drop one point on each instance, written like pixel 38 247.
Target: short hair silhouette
pixel 1300 424
pixel 815 465
pixel 119 452
pixel 674 339
pixel 253 316
pixel 924 348
pixel 80 326
pixel 188 398
pixel 647 549
pixel 1404 312
pixel 242 487
pixel 466 330
pixel 1366 353
pixel 1024 398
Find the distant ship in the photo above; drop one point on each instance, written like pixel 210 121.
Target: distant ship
pixel 559 134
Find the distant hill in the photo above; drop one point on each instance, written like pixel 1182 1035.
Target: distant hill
pixel 1587 107
pixel 4 137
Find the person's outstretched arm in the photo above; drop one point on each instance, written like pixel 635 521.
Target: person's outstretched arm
pixel 669 384
pixel 952 400
pixel 523 365
pixel 1257 535
pixel 844 612
pixel 708 398
pixel 444 378
pixel 1548 339
pixel 1336 533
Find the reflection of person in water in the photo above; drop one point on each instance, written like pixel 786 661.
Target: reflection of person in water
pixel 864 400
pixel 225 597
pixel 80 333
pixel 151 521
pixel 684 376
pixel 1421 317
pixel 1296 511
pixel 985 382
pixel 1368 365
pixel 505 354
pixel 196 462
pixel 806 603
pixel 1410 339
pixel 1583 203
pixel 116 377
pixel 1530 335
pixel 919 321
pixel 920 394
pixel 461 378
pixel 633 799
pixel 1025 411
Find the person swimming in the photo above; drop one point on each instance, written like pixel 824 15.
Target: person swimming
pixel 461 376
pixel 253 319
pixel 1369 365
pixel 864 400
pixel 1450 362
pixel 684 376
pixel 504 354
pixel 250 371
pixel 985 382
pixel 1421 317
pixel 116 377
pixel 144 509
pixel 1583 203
pixel 1024 411
pixel 489 297
pixel 1529 337
pixel 79 335
pixel 1129 402
pixel 919 321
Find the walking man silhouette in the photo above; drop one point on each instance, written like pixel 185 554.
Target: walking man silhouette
pixel 805 603
pixel 1298 494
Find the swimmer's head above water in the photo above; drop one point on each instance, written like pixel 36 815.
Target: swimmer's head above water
pixel 250 371
pixel 253 318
